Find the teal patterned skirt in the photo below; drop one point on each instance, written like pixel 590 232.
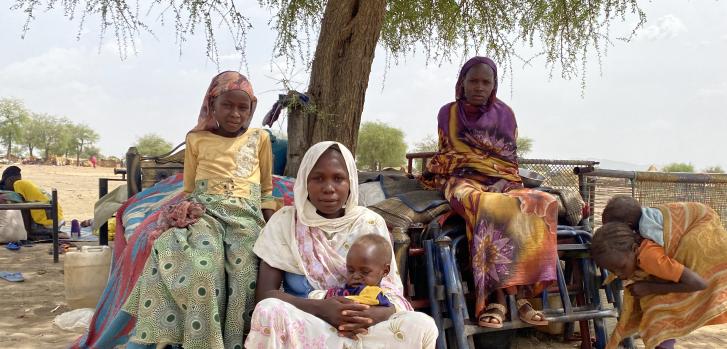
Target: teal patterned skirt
pixel 198 285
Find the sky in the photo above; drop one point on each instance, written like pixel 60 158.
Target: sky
pixel 658 99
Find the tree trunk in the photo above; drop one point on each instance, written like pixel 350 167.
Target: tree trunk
pixel 30 150
pixel 78 154
pixel 339 77
pixel 10 147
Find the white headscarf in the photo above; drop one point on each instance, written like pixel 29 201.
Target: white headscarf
pixel 305 209
pixel 299 241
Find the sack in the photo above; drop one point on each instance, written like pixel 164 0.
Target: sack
pixel 11 226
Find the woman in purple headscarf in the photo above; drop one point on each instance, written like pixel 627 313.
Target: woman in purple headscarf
pixel 511 230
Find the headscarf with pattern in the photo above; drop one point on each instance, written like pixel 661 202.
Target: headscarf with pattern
pixel 223 82
pixel 481 125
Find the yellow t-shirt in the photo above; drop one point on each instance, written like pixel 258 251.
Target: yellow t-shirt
pixel 230 165
pixel 33 193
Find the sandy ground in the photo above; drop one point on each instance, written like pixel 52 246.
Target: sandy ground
pixel 29 307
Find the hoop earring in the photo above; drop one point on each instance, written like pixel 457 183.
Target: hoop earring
pixel 218 123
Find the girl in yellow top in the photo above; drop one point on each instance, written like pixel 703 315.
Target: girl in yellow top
pixel 198 285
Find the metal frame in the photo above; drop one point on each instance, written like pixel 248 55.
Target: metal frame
pixel 443 271
pixel 52 205
pixel 103 189
pixel 133 176
pixel 134 173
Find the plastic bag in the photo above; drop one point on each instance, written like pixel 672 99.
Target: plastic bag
pixel 11 226
pixel 74 318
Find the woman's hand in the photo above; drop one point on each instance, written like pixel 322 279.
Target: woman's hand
pixel 336 311
pixel 356 320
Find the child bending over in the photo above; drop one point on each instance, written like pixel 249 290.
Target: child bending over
pixel 673 287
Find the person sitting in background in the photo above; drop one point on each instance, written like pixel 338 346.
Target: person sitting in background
pixel 38 223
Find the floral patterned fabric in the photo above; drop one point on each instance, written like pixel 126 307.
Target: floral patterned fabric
pixel 512 236
pixel 280 325
pixel 511 230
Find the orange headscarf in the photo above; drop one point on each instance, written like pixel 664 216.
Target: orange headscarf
pixel 223 82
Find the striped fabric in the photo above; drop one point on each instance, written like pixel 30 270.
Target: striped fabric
pixel 138 227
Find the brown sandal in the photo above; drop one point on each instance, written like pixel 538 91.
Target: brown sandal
pixel 491 311
pixel 530 314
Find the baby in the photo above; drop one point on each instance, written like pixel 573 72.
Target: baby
pixel 647 221
pixel 367 262
pixel 673 258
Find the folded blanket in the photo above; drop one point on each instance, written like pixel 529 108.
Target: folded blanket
pixel 398 214
pixel 570 203
pixel 392 182
pixel 107 206
pixel 395 183
pixel 422 200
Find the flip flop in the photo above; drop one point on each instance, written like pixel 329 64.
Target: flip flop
pixel 12 246
pixel 11 276
pixel 491 312
pixel 530 314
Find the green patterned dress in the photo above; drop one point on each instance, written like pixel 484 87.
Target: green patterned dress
pixel 198 285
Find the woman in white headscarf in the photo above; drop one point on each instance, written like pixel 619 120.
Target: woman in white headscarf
pixel 304 248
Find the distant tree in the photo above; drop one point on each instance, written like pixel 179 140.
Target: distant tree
pixel 524 146
pixel 714 169
pixel 65 138
pixel 91 151
pixel 678 167
pixel 32 133
pixel 83 136
pixel 429 143
pixel 152 144
pixel 379 143
pixel 48 128
pixel 19 150
pixel 12 115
